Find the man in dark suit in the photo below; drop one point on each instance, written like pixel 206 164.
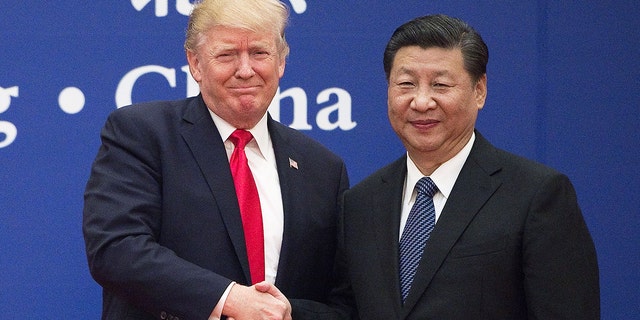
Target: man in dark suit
pixel 163 224
pixel 509 240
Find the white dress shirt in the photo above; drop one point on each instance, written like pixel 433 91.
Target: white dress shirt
pixel 444 177
pixel 262 162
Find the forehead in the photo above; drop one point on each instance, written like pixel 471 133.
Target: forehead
pixel 230 37
pixel 414 59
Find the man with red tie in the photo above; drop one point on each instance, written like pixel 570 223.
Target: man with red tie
pixel 207 207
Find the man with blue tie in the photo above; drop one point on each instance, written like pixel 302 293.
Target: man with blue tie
pixel 207 208
pixel 456 228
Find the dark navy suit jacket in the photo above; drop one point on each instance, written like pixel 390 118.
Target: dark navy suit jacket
pixel 161 220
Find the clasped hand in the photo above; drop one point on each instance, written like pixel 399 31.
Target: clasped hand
pixel 260 301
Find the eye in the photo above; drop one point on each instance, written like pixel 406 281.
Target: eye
pixel 405 84
pixel 224 56
pixel 441 86
pixel 261 54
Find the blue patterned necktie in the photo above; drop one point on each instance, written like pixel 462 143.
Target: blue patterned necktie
pixel 422 219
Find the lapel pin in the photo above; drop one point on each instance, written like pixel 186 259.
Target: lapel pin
pixel 293 164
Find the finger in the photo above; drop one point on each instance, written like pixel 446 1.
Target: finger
pixel 264 287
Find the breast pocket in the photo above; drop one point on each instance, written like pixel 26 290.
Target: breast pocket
pixel 478 249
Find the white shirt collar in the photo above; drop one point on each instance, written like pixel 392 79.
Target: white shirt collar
pixel 260 132
pixel 444 176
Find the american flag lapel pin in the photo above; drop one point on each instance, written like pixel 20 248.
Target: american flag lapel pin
pixel 293 164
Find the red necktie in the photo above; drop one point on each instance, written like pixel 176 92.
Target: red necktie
pixel 249 204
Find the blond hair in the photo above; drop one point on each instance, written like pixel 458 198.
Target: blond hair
pixel 255 15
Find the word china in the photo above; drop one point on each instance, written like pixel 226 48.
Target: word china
pixel 335 115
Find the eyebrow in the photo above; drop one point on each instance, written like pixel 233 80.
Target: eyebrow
pixel 232 46
pixel 437 73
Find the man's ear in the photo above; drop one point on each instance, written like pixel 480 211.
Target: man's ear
pixel 481 91
pixel 194 65
pixel 281 66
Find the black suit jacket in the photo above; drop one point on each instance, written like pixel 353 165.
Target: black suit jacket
pixel 161 220
pixel 511 243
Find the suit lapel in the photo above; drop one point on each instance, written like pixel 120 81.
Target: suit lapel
pixel 207 147
pixel 287 162
pixel 472 189
pixel 386 206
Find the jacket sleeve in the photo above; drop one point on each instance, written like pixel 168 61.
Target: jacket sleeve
pixel 559 258
pixel 121 223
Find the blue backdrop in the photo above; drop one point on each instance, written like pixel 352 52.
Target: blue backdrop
pixel 564 89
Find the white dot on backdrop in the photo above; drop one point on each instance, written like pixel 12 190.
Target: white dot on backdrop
pixel 71 100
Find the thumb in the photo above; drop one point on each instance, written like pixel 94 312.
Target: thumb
pixel 265 287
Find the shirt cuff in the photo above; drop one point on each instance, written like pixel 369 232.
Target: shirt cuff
pixel 216 314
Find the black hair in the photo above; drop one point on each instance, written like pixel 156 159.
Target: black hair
pixel 443 32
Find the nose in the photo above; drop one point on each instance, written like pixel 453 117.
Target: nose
pixel 244 69
pixel 423 100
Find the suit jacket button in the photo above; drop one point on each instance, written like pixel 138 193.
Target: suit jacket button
pixel 163 315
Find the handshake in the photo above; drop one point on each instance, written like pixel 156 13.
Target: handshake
pixel 260 301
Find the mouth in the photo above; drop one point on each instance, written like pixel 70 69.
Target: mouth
pixel 245 89
pixel 424 124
